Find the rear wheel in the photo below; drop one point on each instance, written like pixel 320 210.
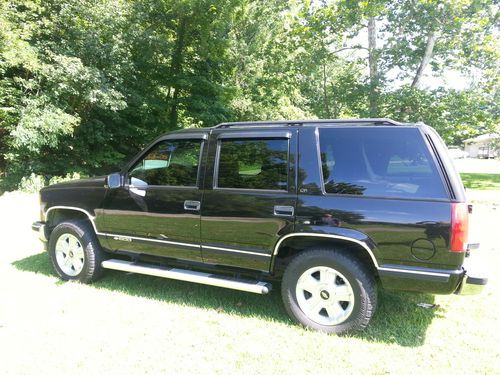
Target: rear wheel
pixel 329 291
pixel 75 251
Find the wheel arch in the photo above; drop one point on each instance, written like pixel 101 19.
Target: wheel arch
pixel 57 214
pixel 292 244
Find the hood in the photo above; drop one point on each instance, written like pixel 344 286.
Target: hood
pixel 84 182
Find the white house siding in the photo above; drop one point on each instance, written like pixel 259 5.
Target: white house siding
pixel 484 142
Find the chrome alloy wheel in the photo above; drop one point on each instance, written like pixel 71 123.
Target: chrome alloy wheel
pixel 325 295
pixel 69 254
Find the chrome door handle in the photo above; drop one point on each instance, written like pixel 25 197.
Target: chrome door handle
pixel 192 205
pixel 137 191
pixel 284 210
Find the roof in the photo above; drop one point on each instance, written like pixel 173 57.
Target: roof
pixel 361 121
pixel 289 123
pixel 482 138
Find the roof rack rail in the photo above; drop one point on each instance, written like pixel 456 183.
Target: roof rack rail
pixel 361 121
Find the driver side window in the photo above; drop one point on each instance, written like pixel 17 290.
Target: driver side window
pixel 168 163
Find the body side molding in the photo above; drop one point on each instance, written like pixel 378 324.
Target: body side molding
pixel 234 250
pixel 92 218
pixel 387 269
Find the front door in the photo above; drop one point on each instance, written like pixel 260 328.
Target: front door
pixel 157 212
pixel 249 199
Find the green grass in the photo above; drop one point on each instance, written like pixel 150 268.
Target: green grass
pixel 481 181
pixel 128 323
pixel 227 331
pixel 398 321
pixel 237 332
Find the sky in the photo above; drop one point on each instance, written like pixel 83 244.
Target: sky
pixel 450 79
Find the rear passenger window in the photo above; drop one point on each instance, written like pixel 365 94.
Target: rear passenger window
pixel 253 164
pixel 386 162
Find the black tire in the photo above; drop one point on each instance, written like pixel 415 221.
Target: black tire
pixel 356 313
pixel 91 251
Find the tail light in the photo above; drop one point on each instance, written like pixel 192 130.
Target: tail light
pixel 459 226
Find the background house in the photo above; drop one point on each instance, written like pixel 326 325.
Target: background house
pixel 483 146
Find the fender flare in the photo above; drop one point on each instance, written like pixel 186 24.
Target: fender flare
pixel 321 235
pixel 71 208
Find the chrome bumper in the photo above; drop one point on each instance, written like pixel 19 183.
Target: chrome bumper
pixel 472 282
pixel 39 227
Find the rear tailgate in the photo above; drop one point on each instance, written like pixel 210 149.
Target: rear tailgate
pixel 449 173
pixel 474 279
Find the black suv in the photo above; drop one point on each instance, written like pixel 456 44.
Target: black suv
pixel 332 209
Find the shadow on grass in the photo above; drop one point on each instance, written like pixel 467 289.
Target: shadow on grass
pixel 398 319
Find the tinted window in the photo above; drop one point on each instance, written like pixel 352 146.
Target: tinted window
pixel 173 163
pixel 253 164
pixel 378 162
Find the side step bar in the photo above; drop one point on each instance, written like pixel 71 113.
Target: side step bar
pixel 258 287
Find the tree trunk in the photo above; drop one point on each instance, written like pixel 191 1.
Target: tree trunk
pixel 373 66
pixel 176 69
pixel 431 40
pixel 325 94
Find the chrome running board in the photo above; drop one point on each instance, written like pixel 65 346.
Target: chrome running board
pixel 251 286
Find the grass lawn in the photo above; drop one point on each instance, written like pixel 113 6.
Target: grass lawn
pixel 128 323
pixel 481 181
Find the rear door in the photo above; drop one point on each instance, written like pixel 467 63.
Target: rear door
pixel 250 196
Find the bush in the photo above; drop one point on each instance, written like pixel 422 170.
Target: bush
pixel 32 184
pixel 68 177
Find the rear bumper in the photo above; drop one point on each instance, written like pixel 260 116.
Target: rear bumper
pixel 465 281
pixel 473 282
pixel 40 228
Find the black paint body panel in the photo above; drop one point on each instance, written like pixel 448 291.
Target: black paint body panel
pixel 244 220
pixel 85 194
pixel 238 229
pixel 159 215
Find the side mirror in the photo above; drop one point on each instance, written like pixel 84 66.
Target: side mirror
pixel 114 180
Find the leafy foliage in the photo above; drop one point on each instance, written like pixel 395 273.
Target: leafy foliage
pixel 85 84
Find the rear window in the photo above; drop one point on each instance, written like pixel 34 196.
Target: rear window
pixel 386 162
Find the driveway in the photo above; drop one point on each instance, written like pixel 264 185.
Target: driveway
pixel 491 166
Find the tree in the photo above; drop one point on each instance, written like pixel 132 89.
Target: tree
pixel 99 80
pixel 439 34
pixel 85 84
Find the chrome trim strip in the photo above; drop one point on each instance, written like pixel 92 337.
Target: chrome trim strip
pixel 92 218
pixel 234 250
pixel 364 245
pixel 276 247
pixel 390 269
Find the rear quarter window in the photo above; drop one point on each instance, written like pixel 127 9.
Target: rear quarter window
pixel 380 162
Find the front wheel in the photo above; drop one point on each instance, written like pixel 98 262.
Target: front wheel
pixel 329 291
pixel 75 251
